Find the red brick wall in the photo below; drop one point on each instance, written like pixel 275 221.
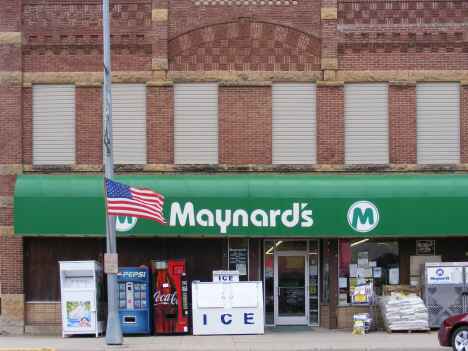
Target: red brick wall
pixel 7 185
pixel 10 20
pixel 10 123
pixel 26 110
pixel 88 122
pixel 12 265
pixel 402 125
pixel 160 125
pixel 244 125
pixel 464 124
pixel 330 125
pixel 6 217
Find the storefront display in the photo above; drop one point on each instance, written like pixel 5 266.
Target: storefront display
pixel 310 239
pixel 366 262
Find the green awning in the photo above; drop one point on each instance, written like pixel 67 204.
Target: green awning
pixel 252 205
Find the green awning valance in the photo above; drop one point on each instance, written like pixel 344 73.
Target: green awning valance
pixel 252 205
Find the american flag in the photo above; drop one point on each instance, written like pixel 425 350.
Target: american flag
pixel 124 200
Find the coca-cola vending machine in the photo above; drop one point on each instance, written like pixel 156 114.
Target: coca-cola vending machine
pixel 170 297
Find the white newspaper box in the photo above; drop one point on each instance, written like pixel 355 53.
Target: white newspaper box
pixel 227 308
pixel 81 284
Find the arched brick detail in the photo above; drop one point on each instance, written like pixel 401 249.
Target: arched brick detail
pixel 245 45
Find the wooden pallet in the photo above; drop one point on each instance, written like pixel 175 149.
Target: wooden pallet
pixel 409 331
pixel 404 289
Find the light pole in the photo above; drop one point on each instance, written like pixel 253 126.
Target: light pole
pixel 114 329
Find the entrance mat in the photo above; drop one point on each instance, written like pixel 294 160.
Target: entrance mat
pixel 287 328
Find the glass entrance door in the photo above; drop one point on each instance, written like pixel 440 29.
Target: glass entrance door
pixel 291 289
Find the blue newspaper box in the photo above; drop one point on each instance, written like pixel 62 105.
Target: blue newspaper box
pixel 134 300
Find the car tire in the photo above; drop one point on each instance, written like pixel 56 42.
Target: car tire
pixel 460 339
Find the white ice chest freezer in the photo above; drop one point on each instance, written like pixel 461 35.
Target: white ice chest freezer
pixel 82 292
pixel 227 308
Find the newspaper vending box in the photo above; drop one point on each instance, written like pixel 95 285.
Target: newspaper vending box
pixel 81 284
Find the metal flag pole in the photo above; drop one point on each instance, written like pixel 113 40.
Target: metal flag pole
pixel 114 329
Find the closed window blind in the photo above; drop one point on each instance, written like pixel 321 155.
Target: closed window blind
pixel 53 107
pixel 438 115
pixel 129 123
pixel 294 123
pixel 366 123
pixel 196 123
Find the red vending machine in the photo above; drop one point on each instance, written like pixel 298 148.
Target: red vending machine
pixel 170 296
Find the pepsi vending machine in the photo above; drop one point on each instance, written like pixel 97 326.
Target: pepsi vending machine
pixel 170 297
pixel 134 300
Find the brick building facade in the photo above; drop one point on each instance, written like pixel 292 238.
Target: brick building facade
pixel 247 49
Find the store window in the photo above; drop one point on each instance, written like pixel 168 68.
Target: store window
pixel 238 257
pixel 366 262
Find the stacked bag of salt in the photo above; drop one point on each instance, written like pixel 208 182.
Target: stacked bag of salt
pixel 404 312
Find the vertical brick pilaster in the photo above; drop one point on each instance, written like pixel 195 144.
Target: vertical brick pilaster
pixel 159 33
pixel 402 124
pixel 330 125
pixel 88 121
pixel 464 124
pixel 12 264
pixel 11 153
pixel 244 125
pixel 10 122
pixel 329 21
pixel 160 125
pixel 11 260
pixel 26 111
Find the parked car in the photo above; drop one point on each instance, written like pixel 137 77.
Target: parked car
pixel 454 332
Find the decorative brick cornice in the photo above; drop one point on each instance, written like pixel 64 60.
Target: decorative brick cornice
pixel 401 12
pixel 85 15
pixel 11 77
pixel 301 51
pixel 10 170
pixel 223 168
pixel 10 37
pixel 84 43
pixel 431 40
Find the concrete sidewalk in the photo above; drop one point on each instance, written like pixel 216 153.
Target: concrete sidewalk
pixel 317 340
